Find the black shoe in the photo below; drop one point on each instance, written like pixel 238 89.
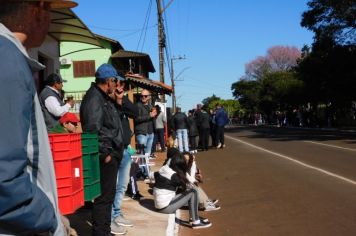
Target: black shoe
pixel 137 196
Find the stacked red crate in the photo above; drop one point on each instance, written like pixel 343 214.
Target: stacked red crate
pixel 67 157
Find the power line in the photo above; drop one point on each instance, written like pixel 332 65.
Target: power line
pixel 115 29
pixel 144 28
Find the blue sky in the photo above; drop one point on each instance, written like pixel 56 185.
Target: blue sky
pixel 217 37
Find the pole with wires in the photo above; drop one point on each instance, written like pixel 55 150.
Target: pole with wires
pixel 174 102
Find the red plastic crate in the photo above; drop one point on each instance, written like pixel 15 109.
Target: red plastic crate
pixel 69 204
pixel 69 176
pixel 65 146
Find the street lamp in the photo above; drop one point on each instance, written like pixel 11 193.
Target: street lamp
pixel 174 105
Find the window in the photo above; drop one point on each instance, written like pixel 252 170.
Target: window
pixel 84 68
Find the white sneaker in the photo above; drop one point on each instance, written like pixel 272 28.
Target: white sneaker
pixel 117 229
pixel 121 220
pixel 211 207
pixel 219 146
pixel 212 201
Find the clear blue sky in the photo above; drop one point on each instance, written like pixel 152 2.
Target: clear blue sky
pixel 218 37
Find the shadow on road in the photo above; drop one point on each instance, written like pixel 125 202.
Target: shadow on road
pixel 293 134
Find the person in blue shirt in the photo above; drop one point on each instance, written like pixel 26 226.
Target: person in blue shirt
pixel 221 119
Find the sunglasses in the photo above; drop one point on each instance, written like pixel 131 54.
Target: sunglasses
pixel 145 96
pixel 114 80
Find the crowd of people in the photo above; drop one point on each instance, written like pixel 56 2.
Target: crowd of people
pixel 28 199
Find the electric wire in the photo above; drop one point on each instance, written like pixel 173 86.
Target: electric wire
pixel 145 23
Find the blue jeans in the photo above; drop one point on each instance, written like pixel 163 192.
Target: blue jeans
pixel 142 139
pixel 123 177
pixel 182 135
pixel 149 143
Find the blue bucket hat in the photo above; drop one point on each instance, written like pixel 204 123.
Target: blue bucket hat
pixel 107 71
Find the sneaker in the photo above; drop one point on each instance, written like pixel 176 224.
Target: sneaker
pixel 219 146
pixel 121 220
pixel 211 207
pixel 202 219
pixel 213 201
pixel 126 198
pixel 117 229
pixel 201 225
pixel 137 196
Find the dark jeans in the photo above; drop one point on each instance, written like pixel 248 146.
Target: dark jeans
pixel 101 213
pixel 213 131
pixel 204 134
pixel 159 136
pixel 219 135
pixel 193 142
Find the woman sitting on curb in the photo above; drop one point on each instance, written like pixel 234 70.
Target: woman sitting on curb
pixel 168 180
pixel 195 177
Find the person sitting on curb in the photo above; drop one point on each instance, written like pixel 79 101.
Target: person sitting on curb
pixel 168 180
pixel 195 177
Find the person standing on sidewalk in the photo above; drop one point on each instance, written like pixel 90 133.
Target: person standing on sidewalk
pixel 180 126
pixel 193 132
pixel 160 122
pixel 123 176
pixel 28 194
pixel 144 126
pixel 221 119
pixel 52 104
pixel 204 129
pixel 99 114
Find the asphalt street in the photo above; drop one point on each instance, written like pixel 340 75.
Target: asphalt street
pixel 278 181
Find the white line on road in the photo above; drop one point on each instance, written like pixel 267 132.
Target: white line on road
pixel 295 161
pixel 333 146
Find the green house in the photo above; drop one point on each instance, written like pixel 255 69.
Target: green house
pixel 79 62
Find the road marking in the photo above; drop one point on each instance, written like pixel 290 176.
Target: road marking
pixel 333 146
pixel 295 161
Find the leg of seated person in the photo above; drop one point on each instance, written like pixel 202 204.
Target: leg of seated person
pixel 191 197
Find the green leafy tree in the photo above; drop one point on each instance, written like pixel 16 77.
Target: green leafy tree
pixel 246 92
pixel 335 20
pixel 207 101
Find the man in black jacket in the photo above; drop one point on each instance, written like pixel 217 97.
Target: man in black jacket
pixel 144 122
pixel 129 110
pixel 100 115
pixel 180 125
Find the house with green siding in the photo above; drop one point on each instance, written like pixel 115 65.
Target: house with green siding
pixel 79 62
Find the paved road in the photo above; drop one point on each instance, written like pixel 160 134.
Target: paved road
pixel 274 181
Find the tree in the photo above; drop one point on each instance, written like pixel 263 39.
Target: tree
pixel 246 92
pixel 207 101
pixel 283 58
pixel 335 20
pixel 278 58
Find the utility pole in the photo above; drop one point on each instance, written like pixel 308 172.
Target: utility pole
pixel 174 102
pixel 161 41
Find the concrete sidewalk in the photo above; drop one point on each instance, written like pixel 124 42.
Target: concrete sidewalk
pixel 143 215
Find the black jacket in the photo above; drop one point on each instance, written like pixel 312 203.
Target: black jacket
pixel 143 118
pixel 179 121
pixel 129 110
pixel 204 120
pixel 193 129
pixel 99 114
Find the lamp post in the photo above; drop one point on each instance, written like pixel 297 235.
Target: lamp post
pixel 174 102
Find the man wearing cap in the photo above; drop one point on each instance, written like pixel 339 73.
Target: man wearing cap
pixel 52 104
pixel 99 114
pixel 28 194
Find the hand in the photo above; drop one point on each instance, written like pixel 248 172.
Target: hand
pixel 107 159
pixel 69 127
